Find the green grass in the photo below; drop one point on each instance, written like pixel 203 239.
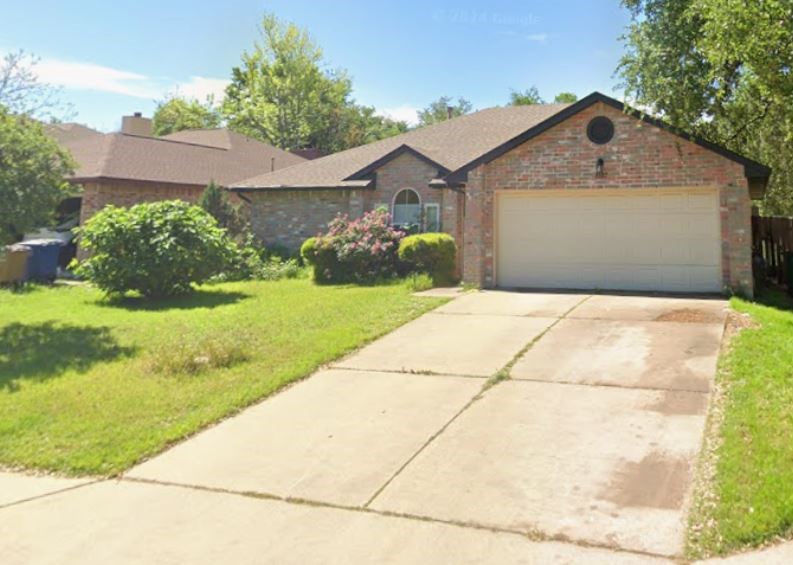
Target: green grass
pixel 754 468
pixel 91 386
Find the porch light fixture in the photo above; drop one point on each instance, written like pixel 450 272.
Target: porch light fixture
pixel 600 168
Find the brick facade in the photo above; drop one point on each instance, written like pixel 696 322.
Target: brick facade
pixel 97 195
pixel 639 156
pixel 289 217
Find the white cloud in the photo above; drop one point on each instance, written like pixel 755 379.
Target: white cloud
pixel 403 113
pixel 89 76
pixel 202 87
pixel 80 75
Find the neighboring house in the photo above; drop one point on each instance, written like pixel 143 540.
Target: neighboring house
pixel 67 133
pixel 130 167
pixel 583 196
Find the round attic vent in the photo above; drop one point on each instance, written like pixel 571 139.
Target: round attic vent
pixel 600 130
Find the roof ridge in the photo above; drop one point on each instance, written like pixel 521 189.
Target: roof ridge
pixel 165 140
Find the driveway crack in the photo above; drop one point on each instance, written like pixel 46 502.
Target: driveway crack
pixel 501 375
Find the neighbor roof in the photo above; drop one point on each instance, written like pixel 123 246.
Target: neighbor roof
pixel 448 145
pixel 189 157
pixel 70 132
pixel 458 145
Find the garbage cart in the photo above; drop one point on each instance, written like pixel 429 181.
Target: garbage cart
pixel 14 264
pixel 43 261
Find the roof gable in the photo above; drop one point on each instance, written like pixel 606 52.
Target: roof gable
pixel 752 169
pixel 390 156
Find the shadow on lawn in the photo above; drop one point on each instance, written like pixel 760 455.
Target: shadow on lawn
pixel 197 299
pixel 41 351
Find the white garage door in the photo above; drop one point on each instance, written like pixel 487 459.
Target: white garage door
pixel 639 239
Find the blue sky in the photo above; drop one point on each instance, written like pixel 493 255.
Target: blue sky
pixel 116 57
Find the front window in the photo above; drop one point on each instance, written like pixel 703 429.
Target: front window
pixel 407 208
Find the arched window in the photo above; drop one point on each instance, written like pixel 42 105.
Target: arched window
pixel 406 209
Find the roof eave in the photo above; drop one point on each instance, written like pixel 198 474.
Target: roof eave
pixel 348 185
pixel 104 178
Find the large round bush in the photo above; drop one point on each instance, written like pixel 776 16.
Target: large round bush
pixel 431 253
pixel 157 248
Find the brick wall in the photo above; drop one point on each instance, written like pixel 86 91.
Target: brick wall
pixel 97 195
pixel 289 217
pixel 640 155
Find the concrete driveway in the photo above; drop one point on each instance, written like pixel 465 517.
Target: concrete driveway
pixel 409 452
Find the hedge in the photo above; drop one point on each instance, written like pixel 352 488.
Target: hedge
pixel 431 253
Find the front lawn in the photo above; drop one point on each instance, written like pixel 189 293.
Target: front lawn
pixel 753 482
pixel 91 386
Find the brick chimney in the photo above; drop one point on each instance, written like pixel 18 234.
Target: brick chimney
pixel 136 124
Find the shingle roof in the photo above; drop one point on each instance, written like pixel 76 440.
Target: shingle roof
pixel 69 132
pixel 450 144
pixel 218 155
pixel 460 144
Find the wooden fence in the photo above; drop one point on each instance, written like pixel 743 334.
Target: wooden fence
pixel 772 238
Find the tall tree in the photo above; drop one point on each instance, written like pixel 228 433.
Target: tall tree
pixel 32 172
pixel 177 113
pixel 525 97
pixel 22 92
pixel 281 93
pixel 442 109
pixel 565 98
pixel 722 69
pixel 353 125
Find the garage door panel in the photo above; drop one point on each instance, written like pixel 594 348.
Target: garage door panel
pixel 649 240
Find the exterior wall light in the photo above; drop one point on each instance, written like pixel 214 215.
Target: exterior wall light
pixel 600 168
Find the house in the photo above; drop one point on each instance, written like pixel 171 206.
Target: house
pixel 133 166
pixel 581 196
pixel 66 133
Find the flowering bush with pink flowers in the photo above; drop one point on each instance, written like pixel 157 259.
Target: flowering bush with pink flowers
pixel 360 250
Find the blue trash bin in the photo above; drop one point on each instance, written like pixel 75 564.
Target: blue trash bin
pixel 43 261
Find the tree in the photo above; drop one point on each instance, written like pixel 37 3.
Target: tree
pixel 526 97
pixel 442 109
pixel 281 94
pixel 720 69
pixel 177 114
pixel 22 93
pixel 33 168
pixel 215 201
pixel 355 125
pixel 565 98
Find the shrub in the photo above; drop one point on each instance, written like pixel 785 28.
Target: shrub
pixel 432 253
pixel 416 282
pixel 155 248
pixel 362 250
pixel 320 255
pixel 254 261
pixel 275 268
